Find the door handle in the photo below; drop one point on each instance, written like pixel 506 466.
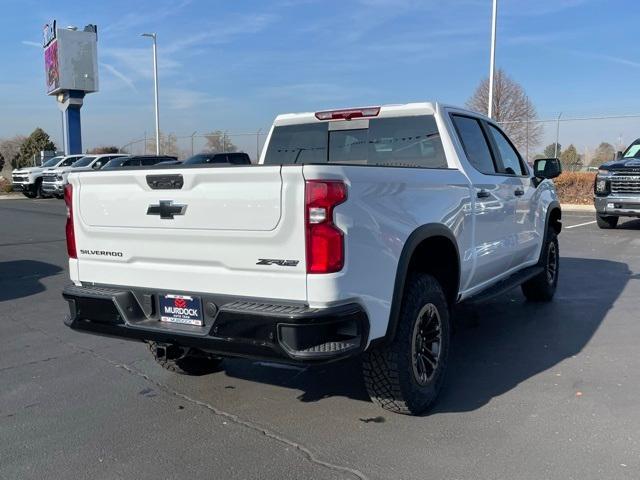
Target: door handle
pixel 519 193
pixel 483 193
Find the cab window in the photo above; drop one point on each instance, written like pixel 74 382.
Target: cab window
pixel 474 143
pixel 509 157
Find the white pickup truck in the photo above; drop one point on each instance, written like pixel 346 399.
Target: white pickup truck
pixel 54 180
pixel 356 233
pixel 28 180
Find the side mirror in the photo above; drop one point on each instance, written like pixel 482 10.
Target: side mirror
pixel 547 168
pixel 618 155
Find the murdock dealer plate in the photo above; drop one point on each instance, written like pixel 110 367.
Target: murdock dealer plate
pixel 181 309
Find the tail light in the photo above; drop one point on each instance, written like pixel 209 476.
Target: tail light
pixel 348 114
pixel 71 234
pixel 325 243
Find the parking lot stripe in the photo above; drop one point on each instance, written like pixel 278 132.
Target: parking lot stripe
pixel 581 224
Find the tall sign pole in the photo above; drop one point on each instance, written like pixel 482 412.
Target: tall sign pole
pixel 71 71
pixel 155 86
pixel 492 63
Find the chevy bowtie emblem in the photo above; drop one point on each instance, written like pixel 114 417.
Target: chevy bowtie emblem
pixel 166 209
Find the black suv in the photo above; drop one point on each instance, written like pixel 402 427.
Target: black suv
pixel 237 158
pixel 617 188
pixel 137 161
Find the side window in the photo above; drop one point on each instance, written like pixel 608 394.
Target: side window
pixel 508 155
pixel 150 161
pixel 134 162
pixel 474 143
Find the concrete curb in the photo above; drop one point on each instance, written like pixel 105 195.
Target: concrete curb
pixel 12 197
pixel 569 207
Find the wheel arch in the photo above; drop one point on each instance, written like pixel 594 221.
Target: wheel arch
pixel 431 248
pixel 554 217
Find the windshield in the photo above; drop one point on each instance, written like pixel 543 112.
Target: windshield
pixel 52 162
pixel 633 151
pixel 198 159
pixel 69 161
pixel 83 162
pixel 114 162
pixel 400 141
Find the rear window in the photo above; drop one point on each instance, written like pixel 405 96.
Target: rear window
pixel 398 142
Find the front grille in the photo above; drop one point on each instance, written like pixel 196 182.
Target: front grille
pixel 49 177
pixel 625 184
pixel 20 178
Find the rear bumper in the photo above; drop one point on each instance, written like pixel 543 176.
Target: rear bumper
pixel 623 206
pixel 232 327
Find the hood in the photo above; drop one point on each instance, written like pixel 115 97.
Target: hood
pixel 625 164
pixel 29 170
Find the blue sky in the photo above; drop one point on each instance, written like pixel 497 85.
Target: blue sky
pixel 233 65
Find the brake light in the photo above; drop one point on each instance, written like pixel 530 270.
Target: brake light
pixel 325 243
pixel 71 234
pixel 348 114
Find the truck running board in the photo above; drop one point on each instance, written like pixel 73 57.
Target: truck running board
pixel 505 285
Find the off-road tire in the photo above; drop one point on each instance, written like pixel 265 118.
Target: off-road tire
pixel 607 222
pixel 29 193
pixel 389 373
pixel 191 362
pixel 542 287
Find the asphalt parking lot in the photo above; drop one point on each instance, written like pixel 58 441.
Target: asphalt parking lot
pixel 533 392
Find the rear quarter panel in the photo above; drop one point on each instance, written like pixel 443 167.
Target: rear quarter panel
pixel 384 206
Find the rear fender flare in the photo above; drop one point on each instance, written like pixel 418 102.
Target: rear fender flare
pixel 415 239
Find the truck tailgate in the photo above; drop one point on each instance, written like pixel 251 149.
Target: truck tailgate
pixel 224 220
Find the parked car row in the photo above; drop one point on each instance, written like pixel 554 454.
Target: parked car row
pixel 50 178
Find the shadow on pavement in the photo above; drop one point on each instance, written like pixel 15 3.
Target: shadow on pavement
pixel 21 278
pixel 511 341
pixel 629 224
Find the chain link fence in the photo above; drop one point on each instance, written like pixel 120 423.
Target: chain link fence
pixel 185 146
pixel 595 140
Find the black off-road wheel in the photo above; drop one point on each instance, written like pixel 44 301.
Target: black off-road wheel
pixel 405 376
pixel 542 287
pixel 184 360
pixel 606 221
pixel 29 193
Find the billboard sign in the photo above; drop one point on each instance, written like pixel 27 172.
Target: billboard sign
pixel 51 67
pixel 70 59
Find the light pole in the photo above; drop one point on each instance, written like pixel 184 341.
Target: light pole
pixel 155 87
pixel 492 63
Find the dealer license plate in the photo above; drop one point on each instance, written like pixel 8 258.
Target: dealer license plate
pixel 181 309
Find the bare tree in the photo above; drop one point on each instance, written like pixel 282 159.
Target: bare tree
pixel 168 144
pixel 604 153
pixel 218 142
pixel 511 108
pixel 9 149
pixel 104 149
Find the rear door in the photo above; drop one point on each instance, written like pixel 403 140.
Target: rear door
pixel 208 235
pixel 495 203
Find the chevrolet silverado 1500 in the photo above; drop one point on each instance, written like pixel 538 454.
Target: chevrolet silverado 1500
pixel 356 234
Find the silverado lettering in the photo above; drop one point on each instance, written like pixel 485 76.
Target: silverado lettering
pixel 103 253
